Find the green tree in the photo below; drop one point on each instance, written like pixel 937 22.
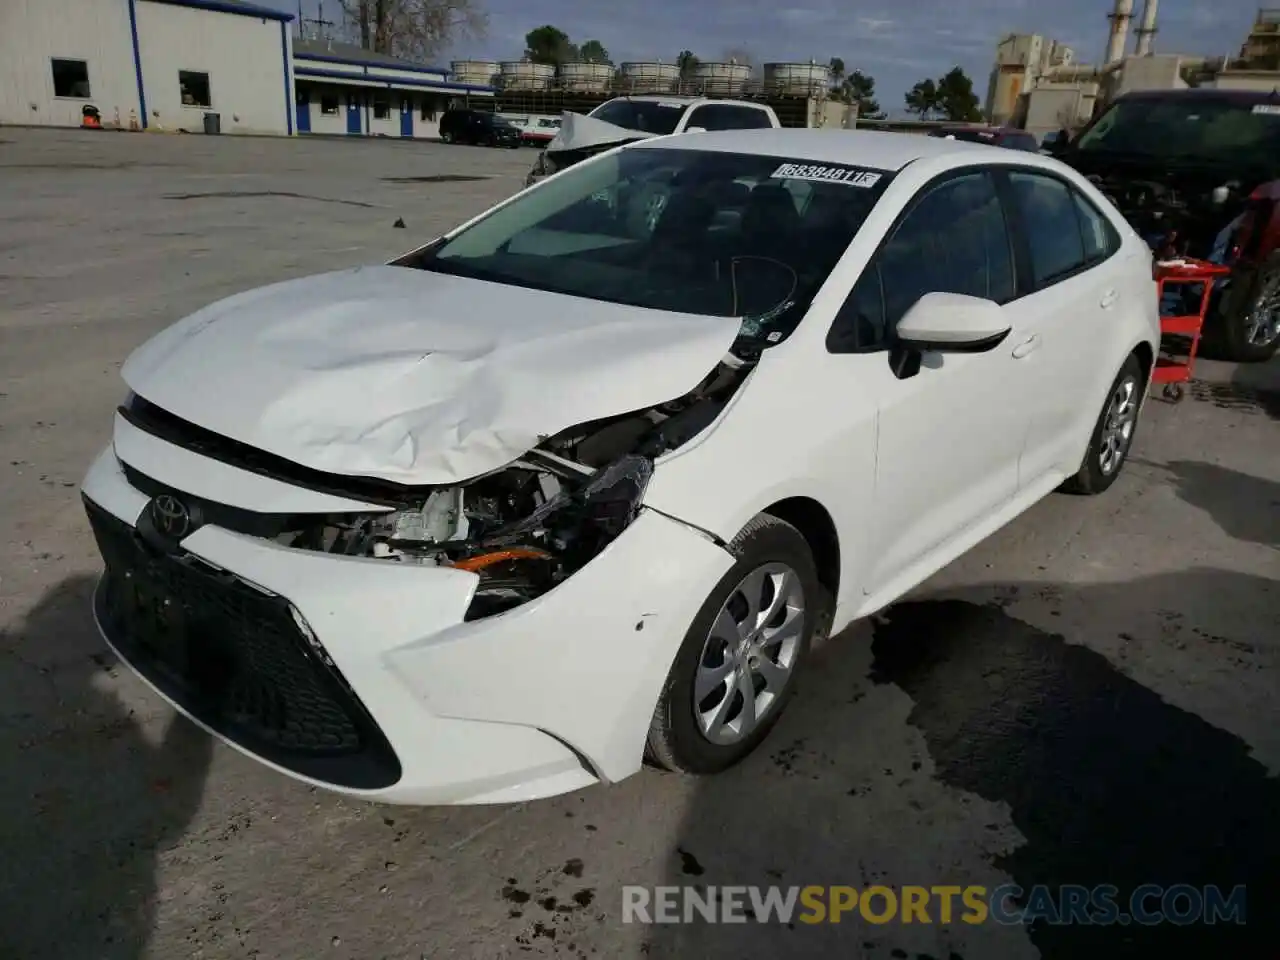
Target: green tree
pixel 956 99
pixel 593 51
pixel 548 44
pixel 838 75
pixel 922 99
pixel 860 88
pixel 688 64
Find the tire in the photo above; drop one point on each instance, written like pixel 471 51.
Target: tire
pixel 773 551
pixel 1238 334
pixel 1097 473
pixel 447 137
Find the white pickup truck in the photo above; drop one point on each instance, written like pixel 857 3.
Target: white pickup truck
pixel 624 119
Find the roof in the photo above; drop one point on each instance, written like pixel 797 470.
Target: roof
pixel 869 148
pixel 237 7
pixel 1205 93
pixel 335 52
pixel 684 99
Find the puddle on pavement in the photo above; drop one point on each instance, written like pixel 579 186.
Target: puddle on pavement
pixel 1108 783
pixel 1237 397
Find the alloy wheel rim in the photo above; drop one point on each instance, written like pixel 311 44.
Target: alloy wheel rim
pixel 1117 425
pixel 749 655
pixel 1262 323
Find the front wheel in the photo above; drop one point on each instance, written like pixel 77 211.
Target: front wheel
pixel 447 137
pixel 736 669
pixel 1113 433
pixel 1247 328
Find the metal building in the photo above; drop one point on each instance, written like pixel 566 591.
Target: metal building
pixel 345 89
pixel 154 64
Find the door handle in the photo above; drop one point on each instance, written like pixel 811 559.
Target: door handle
pixel 1027 346
pixel 1108 298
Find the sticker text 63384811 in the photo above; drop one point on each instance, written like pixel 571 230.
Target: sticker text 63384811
pixel 850 176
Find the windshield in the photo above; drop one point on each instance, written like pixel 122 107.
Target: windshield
pixel 716 234
pixel 650 116
pixel 1183 128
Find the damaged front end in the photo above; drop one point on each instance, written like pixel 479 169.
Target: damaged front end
pixel 530 525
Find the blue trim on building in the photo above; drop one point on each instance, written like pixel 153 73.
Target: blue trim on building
pixel 444 86
pixel 410 68
pixel 289 93
pixel 137 62
pixel 241 9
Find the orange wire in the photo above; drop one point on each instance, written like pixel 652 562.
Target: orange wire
pixel 478 563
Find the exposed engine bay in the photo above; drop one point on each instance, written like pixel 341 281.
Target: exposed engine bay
pixel 1177 215
pixel 528 526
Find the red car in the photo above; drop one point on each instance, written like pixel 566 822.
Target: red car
pixel 1009 137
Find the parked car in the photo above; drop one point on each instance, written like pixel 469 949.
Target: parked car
pixel 627 119
pixel 1197 172
pixel 582 480
pixel 1009 137
pixel 478 127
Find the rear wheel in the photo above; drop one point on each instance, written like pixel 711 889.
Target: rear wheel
pixel 1113 433
pixel 736 669
pixel 447 137
pixel 1247 328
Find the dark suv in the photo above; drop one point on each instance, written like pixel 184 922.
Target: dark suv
pixel 1197 173
pixel 1008 137
pixel 478 127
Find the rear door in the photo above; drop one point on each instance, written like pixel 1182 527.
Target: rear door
pixel 1076 289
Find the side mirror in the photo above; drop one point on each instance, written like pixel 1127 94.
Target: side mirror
pixel 946 323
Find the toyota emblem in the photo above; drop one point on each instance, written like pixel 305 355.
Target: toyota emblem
pixel 170 516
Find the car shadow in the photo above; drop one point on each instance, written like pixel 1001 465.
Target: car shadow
pixel 88 801
pixel 965 745
pixel 1244 506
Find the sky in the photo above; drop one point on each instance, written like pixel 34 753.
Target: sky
pixel 898 42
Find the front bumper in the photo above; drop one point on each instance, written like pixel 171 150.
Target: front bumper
pixel 361 676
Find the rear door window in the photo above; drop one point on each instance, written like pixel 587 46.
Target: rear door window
pixel 1052 226
pixel 1100 238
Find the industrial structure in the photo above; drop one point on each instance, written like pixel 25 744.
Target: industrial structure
pixel 1036 84
pixel 148 64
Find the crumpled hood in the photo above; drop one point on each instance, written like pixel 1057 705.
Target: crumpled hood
pixel 580 132
pixel 416 377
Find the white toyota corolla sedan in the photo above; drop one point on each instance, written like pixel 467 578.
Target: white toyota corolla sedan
pixel 580 482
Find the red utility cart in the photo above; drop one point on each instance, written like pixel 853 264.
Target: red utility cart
pixel 1170 371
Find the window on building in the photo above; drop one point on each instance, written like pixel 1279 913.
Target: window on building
pixel 329 103
pixel 381 107
pixel 428 108
pixel 195 89
pixel 71 79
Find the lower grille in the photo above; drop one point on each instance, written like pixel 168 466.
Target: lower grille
pixel 235 659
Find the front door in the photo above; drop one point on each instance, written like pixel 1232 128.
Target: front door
pixel 304 110
pixel 949 436
pixel 406 117
pixel 354 125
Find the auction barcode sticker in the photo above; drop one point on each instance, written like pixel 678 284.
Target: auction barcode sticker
pixel 850 176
